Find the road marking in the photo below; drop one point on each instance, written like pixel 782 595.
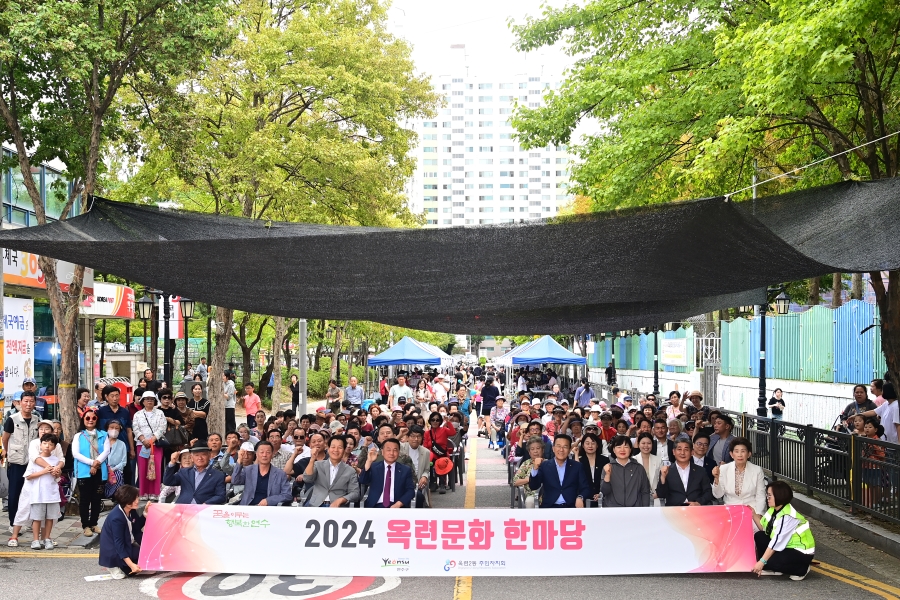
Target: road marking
pixel 882 589
pixel 44 554
pixel 462 589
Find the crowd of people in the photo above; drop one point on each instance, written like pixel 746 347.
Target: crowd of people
pixel 566 448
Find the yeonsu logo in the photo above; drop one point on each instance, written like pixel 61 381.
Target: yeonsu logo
pixel 450 564
pixel 395 562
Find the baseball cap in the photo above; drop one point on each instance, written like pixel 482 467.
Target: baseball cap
pixel 248 446
pixel 29 380
pixel 335 425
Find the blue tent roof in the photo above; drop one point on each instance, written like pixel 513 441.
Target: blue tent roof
pixel 540 351
pixel 411 352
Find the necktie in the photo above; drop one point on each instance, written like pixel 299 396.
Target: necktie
pixel 387 488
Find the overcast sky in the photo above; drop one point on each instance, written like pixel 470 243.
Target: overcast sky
pixel 431 26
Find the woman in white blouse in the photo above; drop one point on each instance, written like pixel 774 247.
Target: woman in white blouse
pixel 149 425
pixel 651 463
pixel 740 482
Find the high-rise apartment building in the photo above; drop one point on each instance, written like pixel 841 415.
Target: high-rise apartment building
pixel 471 171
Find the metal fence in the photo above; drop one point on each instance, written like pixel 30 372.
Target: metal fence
pixel 860 472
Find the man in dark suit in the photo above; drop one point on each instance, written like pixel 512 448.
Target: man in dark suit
pixel 701 455
pixel 563 479
pixel 390 483
pixel 684 483
pixel 263 485
pixel 200 485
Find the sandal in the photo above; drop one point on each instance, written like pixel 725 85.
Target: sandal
pixel 13 543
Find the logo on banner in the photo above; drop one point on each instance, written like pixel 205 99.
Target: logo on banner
pixel 395 562
pixel 450 564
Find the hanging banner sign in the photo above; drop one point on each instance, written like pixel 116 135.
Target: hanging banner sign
pixel 109 300
pixel 21 268
pixel 673 352
pixel 18 351
pixel 447 542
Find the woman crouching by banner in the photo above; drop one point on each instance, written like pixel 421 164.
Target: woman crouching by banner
pixel 120 539
pixel 784 542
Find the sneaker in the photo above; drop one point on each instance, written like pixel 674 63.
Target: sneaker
pixel 13 543
pixel 800 577
pixel 87 532
pixel 442 490
pixel 36 545
pixel 154 498
pixel 144 498
pixel 48 544
pixel 770 573
pixel 95 529
pixel 490 445
pixel 116 573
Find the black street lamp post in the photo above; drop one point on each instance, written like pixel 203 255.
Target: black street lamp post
pixel 782 302
pixel 145 309
pixel 187 311
pixel 653 330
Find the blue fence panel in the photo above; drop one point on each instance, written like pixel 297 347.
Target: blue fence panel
pixel 770 346
pixel 667 335
pixel 645 361
pixel 854 359
pixel 739 350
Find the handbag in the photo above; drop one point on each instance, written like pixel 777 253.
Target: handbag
pixel 176 435
pixel 161 442
pixel 436 448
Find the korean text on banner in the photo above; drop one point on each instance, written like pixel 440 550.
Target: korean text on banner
pixel 447 542
pixel 18 363
pixel 674 352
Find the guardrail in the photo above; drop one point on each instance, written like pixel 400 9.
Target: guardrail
pixel 860 472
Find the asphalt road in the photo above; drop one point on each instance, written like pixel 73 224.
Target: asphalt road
pixel 848 569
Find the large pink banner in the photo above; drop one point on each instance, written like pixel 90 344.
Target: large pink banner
pixel 448 542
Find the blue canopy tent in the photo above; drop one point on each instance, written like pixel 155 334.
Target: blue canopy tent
pixel 540 351
pixel 411 352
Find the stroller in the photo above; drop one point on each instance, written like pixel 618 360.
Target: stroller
pixel 832 458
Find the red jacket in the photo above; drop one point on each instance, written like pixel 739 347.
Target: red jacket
pixel 442 434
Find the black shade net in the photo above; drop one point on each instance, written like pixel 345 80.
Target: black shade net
pixel 585 274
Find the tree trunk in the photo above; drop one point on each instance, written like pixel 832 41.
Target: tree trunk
pixel 336 355
pixel 103 348
pixel 215 385
pixel 280 328
pixel 889 306
pixel 246 365
pixel 814 295
pixel 837 290
pixel 350 355
pixel 317 358
pixel 856 286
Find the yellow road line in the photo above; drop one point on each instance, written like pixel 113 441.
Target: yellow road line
pixel 46 554
pixel 864 582
pixel 871 590
pixel 462 589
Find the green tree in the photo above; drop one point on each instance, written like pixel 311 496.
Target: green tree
pixel 301 118
pixel 64 64
pixel 692 97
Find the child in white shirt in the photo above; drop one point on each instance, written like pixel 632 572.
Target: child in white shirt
pixel 43 493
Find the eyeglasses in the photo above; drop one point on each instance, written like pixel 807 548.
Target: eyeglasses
pixel 701 444
pixel 90 418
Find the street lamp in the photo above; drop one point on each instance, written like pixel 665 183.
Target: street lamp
pixel 167 350
pixel 782 302
pixel 145 309
pixel 649 331
pixel 187 311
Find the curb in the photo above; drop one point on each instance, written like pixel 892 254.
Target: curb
pixel 863 530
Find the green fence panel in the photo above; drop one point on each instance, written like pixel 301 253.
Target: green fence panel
pixel 739 348
pixel 725 368
pixel 786 354
pixel 879 360
pixel 817 345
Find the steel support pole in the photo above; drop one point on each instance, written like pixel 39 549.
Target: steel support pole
pixel 302 359
pixel 167 350
pixel 761 409
pixel 656 364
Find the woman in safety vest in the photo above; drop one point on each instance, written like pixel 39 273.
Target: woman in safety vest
pixel 784 542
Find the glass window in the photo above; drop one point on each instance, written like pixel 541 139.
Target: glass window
pixel 56 190
pixel 20 195
pixel 19 217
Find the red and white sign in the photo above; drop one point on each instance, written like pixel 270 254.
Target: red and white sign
pixel 109 300
pixel 446 542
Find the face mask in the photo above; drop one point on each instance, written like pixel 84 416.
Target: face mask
pixel 113 433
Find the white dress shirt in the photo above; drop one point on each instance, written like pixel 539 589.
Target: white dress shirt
pixel 334 470
pixel 684 474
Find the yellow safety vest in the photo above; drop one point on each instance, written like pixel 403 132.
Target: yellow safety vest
pixel 802 538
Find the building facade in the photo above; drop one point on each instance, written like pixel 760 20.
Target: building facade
pixel 471 170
